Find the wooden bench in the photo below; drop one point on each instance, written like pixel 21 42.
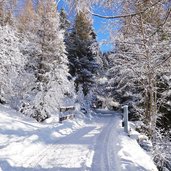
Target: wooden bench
pixel 65 113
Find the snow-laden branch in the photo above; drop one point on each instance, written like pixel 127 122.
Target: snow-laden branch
pixel 164 61
pixel 126 15
pixel 168 13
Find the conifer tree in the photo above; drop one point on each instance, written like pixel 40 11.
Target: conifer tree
pixel 83 52
pixel 12 62
pixel 63 19
pixel 52 87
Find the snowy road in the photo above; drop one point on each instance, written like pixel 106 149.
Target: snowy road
pixel 97 145
pixel 40 147
pixel 88 148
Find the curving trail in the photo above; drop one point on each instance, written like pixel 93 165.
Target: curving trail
pixel 91 148
pixel 71 146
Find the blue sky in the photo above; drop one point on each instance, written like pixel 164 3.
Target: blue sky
pixel 104 26
pixel 100 25
pixel 102 33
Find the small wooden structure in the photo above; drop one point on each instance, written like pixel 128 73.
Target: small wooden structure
pixel 66 113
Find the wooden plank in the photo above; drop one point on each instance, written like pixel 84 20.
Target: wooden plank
pixel 72 116
pixel 64 109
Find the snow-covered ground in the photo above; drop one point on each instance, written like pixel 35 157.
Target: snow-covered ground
pixel 96 145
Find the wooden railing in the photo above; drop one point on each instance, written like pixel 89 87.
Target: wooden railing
pixel 66 113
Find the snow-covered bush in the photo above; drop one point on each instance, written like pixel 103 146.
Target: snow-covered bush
pixel 82 101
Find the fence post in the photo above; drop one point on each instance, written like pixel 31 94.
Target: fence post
pixel 125 118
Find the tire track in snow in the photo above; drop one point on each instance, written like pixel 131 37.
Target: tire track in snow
pixel 105 158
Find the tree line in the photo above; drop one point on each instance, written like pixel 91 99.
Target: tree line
pixel 48 61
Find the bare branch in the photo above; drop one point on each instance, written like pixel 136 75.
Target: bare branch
pixel 166 18
pixel 126 15
pixel 132 43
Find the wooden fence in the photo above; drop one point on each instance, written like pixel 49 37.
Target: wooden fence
pixel 66 113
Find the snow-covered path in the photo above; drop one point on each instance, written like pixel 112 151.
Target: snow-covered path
pixel 87 148
pixel 37 147
pixel 105 158
pixel 97 145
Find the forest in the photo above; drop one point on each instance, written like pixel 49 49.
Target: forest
pixel 50 57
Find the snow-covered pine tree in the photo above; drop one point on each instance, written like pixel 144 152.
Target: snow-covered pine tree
pixel 83 53
pixel 14 79
pixel 54 87
pixel 12 62
pixel 65 24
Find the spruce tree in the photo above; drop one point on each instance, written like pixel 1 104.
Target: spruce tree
pixel 64 21
pixel 83 52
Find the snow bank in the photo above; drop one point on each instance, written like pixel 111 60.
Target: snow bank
pixel 23 140
pixel 132 156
